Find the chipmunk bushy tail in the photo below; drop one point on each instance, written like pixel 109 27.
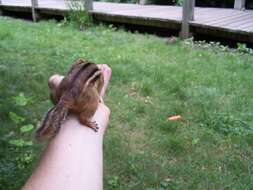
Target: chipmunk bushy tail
pixel 52 121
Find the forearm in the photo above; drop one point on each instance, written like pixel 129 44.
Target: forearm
pixel 72 160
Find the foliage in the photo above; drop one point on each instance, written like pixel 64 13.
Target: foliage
pixel 21 99
pixel 217 46
pixel 209 85
pixel 17 139
pixel 179 2
pixel 243 48
pixel 113 182
pixel 78 16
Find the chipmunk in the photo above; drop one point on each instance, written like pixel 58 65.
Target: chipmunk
pixel 78 93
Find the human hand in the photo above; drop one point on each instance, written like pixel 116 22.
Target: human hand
pixel 107 73
pixel 101 117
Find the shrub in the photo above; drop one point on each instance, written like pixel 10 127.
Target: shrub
pixel 78 16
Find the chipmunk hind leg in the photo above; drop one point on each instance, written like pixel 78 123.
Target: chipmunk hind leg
pixel 85 119
pixel 88 110
pixel 87 122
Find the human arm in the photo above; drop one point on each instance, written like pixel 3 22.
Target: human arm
pixel 74 158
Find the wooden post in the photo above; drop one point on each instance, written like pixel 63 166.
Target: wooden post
pixel 239 4
pixel 187 16
pixel 1 12
pixel 34 4
pixel 143 2
pixel 88 5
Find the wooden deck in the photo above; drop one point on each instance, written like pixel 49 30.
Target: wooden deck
pixel 225 23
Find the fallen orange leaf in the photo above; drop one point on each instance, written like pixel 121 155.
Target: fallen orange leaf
pixel 175 118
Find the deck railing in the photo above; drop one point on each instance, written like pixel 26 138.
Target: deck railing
pixel 188 15
pixel 187 12
pixel 240 4
pixel 34 4
pixel 0 9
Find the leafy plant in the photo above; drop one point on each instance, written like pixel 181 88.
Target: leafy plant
pixel 17 119
pixel 217 46
pixel 17 147
pixel 195 141
pixel 25 159
pixel 26 128
pixel 21 143
pixel 179 2
pixel 243 48
pixel 113 182
pixel 226 124
pixel 77 15
pixel 21 99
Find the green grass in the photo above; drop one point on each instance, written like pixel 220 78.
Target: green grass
pixel 211 148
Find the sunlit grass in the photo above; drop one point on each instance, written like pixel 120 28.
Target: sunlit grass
pixel 210 148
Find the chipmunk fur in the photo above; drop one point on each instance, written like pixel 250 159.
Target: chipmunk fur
pixel 78 93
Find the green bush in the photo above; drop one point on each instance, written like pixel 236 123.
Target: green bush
pixel 16 145
pixel 77 15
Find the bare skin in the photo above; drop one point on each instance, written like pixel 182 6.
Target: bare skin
pixel 74 158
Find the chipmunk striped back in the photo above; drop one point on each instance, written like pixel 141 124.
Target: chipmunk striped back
pixel 81 75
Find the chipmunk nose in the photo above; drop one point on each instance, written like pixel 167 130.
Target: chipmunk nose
pixel 54 81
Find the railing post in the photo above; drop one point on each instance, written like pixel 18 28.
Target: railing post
pixel 239 4
pixel 88 5
pixel 34 4
pixel 187 16
pixel 1 12
pixel 143 2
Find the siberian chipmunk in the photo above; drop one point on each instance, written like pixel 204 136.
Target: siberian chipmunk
pixel 78 93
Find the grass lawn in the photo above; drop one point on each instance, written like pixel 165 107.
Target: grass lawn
pixel 210 148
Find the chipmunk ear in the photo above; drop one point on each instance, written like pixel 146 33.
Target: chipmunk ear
pixel 80 61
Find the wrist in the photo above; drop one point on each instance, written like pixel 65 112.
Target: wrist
pixel 72 130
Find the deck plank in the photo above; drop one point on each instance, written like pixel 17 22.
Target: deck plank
pixel 246 25
pixel 208 19
pixel 240 23
pixel 214 15
pixel 230 19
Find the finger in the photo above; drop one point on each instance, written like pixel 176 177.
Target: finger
pixel 107 73
pixel 54 81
